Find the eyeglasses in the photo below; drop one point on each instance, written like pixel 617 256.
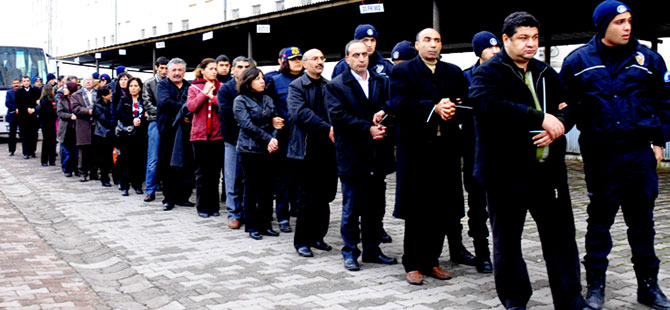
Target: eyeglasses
pixel 317 59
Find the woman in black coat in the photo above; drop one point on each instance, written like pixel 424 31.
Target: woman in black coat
pixel 257 117
pixel 131 131
pixel 48 116
pixel 103 135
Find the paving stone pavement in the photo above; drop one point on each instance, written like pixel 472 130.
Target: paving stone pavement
pixel 72 245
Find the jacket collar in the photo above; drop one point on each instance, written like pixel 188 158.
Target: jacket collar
pixel 306 80
pixel 534 65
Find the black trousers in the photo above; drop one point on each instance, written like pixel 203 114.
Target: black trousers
pixel 102 153
pixel 85 159
pixel 508 206
pixel 29 127
pixel 626 180
pixel 258 190
pixel 176 188
pixel 362 197
pixel 317 186
pixel 477 213
pixel 132 161
pixel 13 128
pixel 207 157
pixel 48 143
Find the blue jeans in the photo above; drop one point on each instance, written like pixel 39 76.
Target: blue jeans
pixel 151 177
pixel 232 169
pixel 68 157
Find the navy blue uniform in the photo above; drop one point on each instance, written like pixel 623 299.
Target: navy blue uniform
pixel 620 100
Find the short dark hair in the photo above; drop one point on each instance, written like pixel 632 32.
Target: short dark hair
pixel 518 19
pixel 60 78
pixel 160 61
pixel 103 91
pixel 222 57
pixel 139 83
pixel 244 86
pixel 26 77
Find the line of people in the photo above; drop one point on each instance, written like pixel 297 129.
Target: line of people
pixel 497 128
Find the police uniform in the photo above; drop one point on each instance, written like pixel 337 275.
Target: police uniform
pixel 620 99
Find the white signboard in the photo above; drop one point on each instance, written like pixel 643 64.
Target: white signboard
pixel 207 35
pixel 122 51
pixel 160 44
pixel 98 55
pixel 262 28
pixel 372 8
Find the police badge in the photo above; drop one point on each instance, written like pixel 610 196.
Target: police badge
pixel 640 58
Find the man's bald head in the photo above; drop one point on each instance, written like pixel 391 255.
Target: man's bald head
pixel 428 44
pixel 313 62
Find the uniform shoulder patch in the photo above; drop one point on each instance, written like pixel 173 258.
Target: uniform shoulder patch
pixel 666 77
pixel 640 58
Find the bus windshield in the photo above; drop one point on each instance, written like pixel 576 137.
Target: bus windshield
pixel 16 62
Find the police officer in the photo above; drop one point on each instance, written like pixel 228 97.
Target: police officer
pixel 620 96
pixel 516 99
pixel 485 45
pixel 367 34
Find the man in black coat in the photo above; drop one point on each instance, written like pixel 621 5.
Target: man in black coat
pixel 424 91
pixel 516 100
pixel 26 102
pixel 311 143
pixel 364 154
pixel 171 95
pixel 10 103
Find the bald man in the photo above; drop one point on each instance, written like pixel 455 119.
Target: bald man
pixel 424 93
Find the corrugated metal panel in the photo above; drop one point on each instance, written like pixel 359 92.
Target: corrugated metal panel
pixel 573 144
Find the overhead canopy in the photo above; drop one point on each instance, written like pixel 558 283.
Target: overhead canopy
pixel 328 26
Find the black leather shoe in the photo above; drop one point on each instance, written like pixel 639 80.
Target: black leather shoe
pixel 649 294
pixel 93 177
pixel 203 215
pixel 351 264
pixel 380 259
pixel 322 245
pixel 106 184
pixel 149 197
pixel 517 308
pixel 45 165
pixel 83 178
pixel 186 204
pixel 11 154
pixel 304 251
pixel 270 232
pixel 139 191
pixel 168 206
pixel 285 227
pixel 26 156
pixel 463 257
pixel 124 192
pixel 255 235
pixel 595 289
pixel 68 174
pixel 384 237
pixel 484 266
pixel 216 214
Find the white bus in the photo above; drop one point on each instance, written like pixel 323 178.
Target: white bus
pixel 15 62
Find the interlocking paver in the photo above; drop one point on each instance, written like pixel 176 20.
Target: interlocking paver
pixel 99 250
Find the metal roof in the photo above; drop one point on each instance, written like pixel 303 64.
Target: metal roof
pixel 330 25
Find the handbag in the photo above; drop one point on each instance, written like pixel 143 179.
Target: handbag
pixel 121 130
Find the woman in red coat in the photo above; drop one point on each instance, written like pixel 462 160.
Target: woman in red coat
pixel 206 137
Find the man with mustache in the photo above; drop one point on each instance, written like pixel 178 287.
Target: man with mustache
pixel 516 101
pixel 171 94
pixel 620 97
pixel 312 144
pixel 356 99
pixel 424 91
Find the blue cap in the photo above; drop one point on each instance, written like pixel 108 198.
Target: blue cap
pixel 483 40
pixel 365 30
pixel 51 76
pixel 105 77
pixel 35 78
pixel 404 50
pixel 95 75
pixel 605 12
pixel 292 52
pixel 120 69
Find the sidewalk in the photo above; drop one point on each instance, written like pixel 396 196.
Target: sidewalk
pixel 74 245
